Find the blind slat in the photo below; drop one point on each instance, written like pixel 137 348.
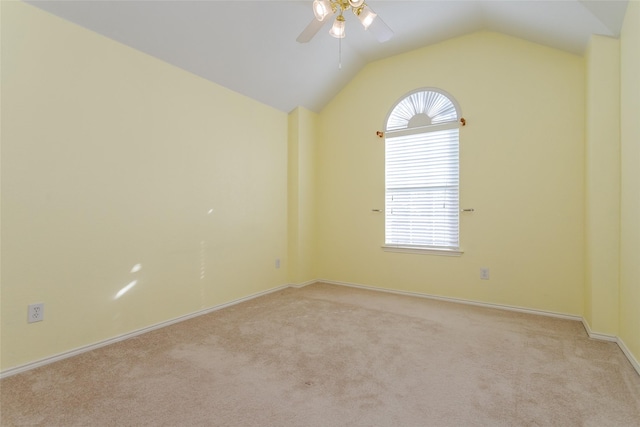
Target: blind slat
pixel 422 189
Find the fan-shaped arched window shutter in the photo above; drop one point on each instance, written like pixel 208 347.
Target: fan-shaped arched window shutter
pixel 422 172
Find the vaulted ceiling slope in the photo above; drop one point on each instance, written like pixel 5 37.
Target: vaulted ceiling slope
pixel 250 46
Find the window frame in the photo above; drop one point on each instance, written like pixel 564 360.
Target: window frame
pixel 416 130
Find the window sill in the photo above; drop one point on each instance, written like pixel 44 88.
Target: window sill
pixel 422 250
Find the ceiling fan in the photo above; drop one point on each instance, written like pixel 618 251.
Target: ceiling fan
pixel 324 10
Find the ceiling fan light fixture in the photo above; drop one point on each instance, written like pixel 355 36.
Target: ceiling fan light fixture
pixel 321 8
pixel 325 10
pixel 337 30
pixel 366 16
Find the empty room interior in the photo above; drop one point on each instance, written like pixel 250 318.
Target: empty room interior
pixel 163 163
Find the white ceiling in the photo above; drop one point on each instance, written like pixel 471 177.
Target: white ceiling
pixel 250 46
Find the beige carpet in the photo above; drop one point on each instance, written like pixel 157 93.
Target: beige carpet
pixel 334 356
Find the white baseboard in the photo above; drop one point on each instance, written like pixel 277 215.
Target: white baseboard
pixel 65 355
pixel 303 284
pixel 617 340
pixel 84 349
pixel 457 300
pixel 627 352
pixel 596 335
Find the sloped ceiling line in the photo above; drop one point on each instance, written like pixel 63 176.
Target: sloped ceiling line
pixel 249 46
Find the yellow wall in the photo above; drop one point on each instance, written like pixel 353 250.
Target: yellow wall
pixel 302 191
pixel 602 178
pixel 630 182
pixel 522 170
pixel 111 158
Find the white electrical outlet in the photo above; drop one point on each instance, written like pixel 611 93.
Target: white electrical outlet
pixel 35 313
pixel 277 262
pixel 484 273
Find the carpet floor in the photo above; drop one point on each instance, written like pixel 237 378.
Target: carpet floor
pixel 327 355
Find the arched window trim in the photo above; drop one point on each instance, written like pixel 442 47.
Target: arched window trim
pixel 417 102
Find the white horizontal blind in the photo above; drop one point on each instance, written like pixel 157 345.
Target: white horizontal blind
pixel 422 185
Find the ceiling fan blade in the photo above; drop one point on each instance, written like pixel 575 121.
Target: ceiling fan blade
pixel 380 30
pixel 312 29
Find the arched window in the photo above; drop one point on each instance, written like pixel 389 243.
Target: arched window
pixel 422 172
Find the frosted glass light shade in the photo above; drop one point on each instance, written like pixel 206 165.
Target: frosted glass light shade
pixel 321 8
pixel 367 16
pixel 356 3
pixel 337 30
